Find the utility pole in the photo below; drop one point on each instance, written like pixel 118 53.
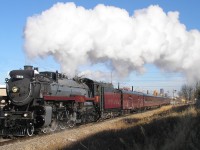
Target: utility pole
pixel 174 91
pixel 111 77
pixel 173 96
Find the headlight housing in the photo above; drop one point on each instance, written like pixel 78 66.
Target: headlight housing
pixel 15 89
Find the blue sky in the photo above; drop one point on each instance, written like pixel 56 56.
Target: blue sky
pixel 13 16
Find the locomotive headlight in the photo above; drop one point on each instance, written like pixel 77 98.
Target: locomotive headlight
pixel 3 101
pixel 25 115
pixel 15 89
pixel 5 114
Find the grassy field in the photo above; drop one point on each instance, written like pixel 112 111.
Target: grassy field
pixel 174 129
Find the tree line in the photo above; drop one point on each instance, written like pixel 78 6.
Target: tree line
pixel 190 93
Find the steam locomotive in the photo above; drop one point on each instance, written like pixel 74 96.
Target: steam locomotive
pixel 47 101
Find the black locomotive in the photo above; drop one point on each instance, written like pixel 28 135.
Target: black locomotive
pixel 45 101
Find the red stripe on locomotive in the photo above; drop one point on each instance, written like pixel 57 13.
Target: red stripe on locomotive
pixel 65 98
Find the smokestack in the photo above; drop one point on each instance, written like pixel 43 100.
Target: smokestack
pixel 27 67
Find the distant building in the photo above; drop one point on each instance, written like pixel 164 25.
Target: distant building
pixel 166 94
pixel 162 92
pixel 3 90
pixel 155 93
pixel 2 86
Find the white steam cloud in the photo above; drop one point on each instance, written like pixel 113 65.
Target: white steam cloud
pixel 77 36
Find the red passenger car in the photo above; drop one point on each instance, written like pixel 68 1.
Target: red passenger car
pixel 112 99
pixel 132 100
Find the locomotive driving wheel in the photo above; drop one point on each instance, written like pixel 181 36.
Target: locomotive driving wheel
pixel 54 125
pixel 30 130
pixel 62 125
pixel 71 123
pixel 62 118
pixel 45 130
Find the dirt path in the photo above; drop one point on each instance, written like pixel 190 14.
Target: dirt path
pixel 68 137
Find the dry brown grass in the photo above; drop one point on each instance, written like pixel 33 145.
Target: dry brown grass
pixel 176 128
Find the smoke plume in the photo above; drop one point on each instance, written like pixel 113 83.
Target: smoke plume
pixel 77 36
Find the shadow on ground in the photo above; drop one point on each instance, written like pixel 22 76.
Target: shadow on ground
pixel 168 132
